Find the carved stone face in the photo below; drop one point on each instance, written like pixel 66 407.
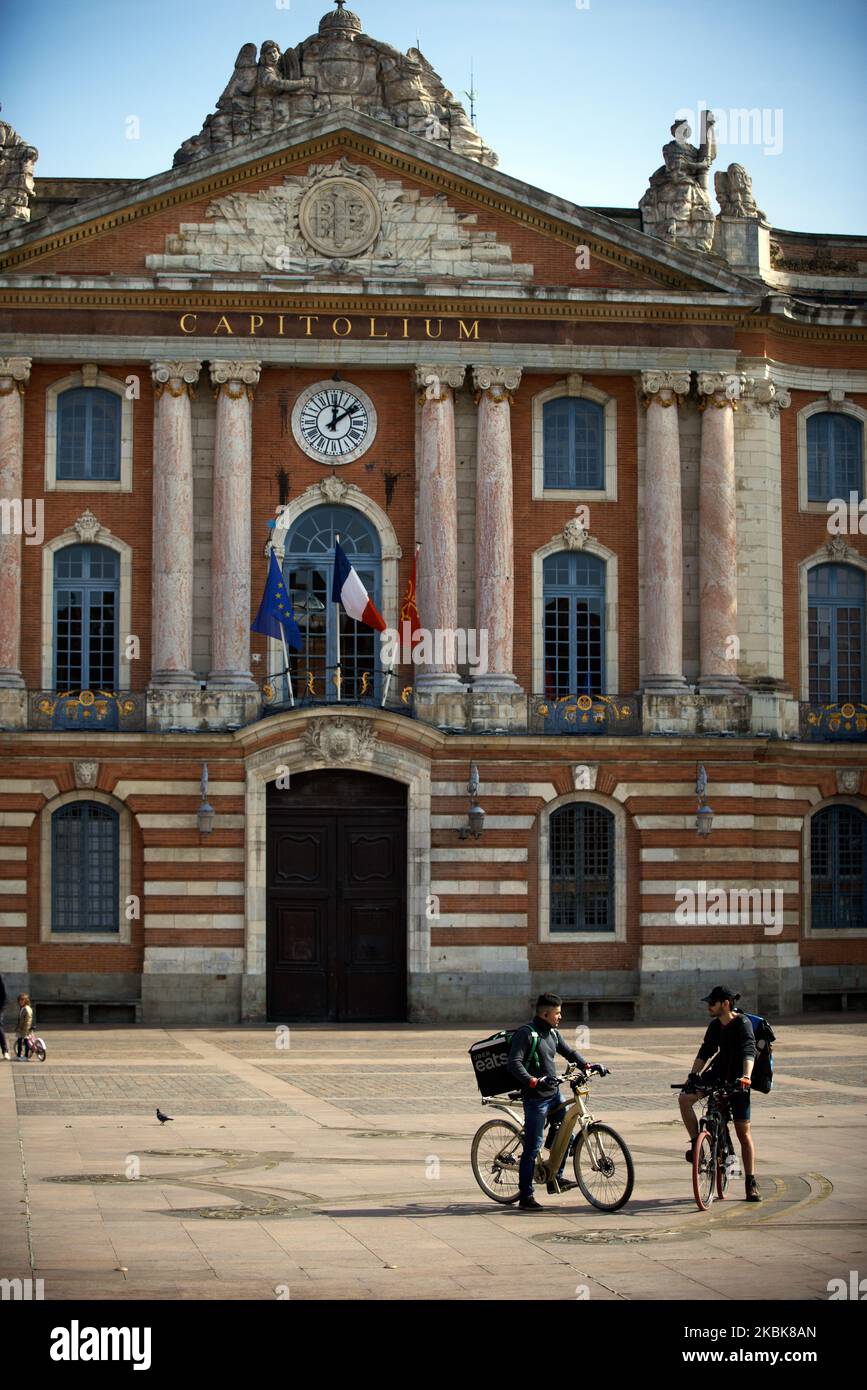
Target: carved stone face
pixel 270 55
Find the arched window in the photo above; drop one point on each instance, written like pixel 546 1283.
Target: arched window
pixel 834 456
pixel 85 866
pixel 308 567
pixel 835 626
pixel 581 868
pixel 574 625
pixel 88 434
pixel 86 599
pixel 838 868
pixel 574 444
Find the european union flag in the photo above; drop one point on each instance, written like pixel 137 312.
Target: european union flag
pixel 275 617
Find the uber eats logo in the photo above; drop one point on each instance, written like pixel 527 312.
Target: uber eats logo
pixel 493 1060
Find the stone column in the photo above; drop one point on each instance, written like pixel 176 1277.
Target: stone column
pixel 495 548
pixel 438 519
pixel 718 538
pixel 172 621
pixel 663 533
pixel 233 462
pixel 14 374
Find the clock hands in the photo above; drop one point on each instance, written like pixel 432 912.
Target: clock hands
pixel 336 418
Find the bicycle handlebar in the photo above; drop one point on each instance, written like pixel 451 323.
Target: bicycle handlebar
pixel 716 1086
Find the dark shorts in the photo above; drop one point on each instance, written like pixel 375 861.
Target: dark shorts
pixel 740 1105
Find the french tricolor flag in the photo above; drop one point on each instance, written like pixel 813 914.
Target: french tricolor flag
pixel 349 590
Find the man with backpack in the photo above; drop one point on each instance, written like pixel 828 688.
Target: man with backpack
pixel 532 1062
pixel 730 1042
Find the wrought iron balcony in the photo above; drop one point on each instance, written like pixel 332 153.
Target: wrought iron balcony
pixel 845 723
pixel 92 711
pixel 335 686
pixel 585 714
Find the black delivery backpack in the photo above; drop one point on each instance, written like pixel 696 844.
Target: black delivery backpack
pixel 490 1058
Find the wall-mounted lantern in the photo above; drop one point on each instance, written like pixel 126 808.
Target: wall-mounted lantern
pixel 475 815
pixel 205 814
pixel 704 815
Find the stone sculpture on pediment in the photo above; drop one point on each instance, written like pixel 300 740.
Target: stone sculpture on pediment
pixel 17 160
pixel 338 68
pixel 676 205
pixel 734 191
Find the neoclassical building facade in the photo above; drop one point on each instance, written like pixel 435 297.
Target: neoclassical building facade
pixel 623 452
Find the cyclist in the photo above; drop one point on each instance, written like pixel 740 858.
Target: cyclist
pixel 540 1092
pixel 730 1041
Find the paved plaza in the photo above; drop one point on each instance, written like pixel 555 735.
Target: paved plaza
pixel 337 1167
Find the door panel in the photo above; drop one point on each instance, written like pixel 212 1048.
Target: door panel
pixel 337 899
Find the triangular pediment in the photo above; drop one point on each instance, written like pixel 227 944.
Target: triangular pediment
pixel 437 216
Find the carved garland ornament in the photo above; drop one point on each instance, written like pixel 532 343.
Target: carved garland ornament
pixel 339 740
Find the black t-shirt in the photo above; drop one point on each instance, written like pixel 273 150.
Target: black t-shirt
pixel 734 1043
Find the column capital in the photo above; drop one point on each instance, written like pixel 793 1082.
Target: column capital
pixel 764 394
pixel 721 388
pixel 178 378
pixel 436 381
pixel 497 383
pixel 665 388
pixel 14 374
pixel 235 379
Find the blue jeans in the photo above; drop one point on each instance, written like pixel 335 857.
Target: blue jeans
pixel 536 1110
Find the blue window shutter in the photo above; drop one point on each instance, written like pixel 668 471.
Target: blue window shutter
pixel 834 457
pixel 573 442
pixel 88 434
pixel 85 868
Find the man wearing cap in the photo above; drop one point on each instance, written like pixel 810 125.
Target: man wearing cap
pixel 730 1041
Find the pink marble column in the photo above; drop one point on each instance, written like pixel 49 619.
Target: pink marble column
pixel 663 533
pixel 14 374
pixel 718 542
pixel 495 542
pixel 230 558
pixel 172 640
pixel 438 517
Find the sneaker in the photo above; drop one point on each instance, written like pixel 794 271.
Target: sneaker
pixel 753 1194
pixel 530 1204
pixel 561 1185
pixel 690 1150
pixel 6 1057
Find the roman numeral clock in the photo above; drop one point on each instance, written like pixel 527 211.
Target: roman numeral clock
pixel 334 422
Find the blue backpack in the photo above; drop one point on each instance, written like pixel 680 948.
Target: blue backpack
pixel 762 1078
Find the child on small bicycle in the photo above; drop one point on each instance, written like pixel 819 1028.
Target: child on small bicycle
pixel 730 1042
pixel 24 1028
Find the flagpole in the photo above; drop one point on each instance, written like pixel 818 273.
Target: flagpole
pixel 288 672
pixel 339 674
pixel 394 663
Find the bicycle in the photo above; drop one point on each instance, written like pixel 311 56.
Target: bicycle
pixel 599 1155
pixel 713 1149
pixel 34 1046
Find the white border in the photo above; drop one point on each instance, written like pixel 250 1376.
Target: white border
pixel 105 383
pixel 618 811
pixel 569 387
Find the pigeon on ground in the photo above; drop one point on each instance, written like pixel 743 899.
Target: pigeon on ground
pixel 163 1118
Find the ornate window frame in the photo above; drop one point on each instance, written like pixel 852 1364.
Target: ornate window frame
pixel 575 386
pixel 88 376
pixel 618 811
pixel 86 531
pixel 334 492
pixel 842 934
pixel 824 407
pixel 848 556
pixel 612 653
pixel 123 936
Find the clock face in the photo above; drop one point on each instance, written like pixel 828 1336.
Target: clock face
pixel 334 422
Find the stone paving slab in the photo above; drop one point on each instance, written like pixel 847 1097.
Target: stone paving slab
pixel 340 1170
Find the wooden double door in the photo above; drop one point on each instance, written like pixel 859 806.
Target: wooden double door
pixel 336 876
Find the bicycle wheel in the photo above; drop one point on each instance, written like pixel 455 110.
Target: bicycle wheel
pixel 39 1051
pixel 603 1167
pixel 727 1166
pixel 495 1156
pixel 703 1169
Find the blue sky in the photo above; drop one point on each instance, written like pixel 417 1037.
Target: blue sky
pixel 577 101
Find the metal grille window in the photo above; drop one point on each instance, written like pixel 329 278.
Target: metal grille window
pixel 581 865
pixel 838 868
pixel 86 599
pixel 574 635
pixel 308 565
pixel 88 434
pixel 85 853
pixel 835 464
pixel 573 433
pixel 835 624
